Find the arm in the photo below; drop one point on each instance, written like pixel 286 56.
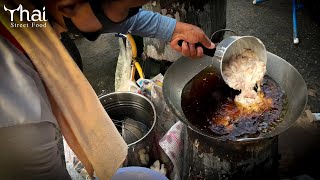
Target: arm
pixel 150 24
pixel 146 24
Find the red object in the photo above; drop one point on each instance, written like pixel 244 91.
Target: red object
pixel 6 34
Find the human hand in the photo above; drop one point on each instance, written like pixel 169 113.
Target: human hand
pixel 190 35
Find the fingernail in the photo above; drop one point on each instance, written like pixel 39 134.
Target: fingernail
pixel 212 45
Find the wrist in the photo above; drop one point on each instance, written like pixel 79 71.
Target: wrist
pixel 179 27
pixel 177 30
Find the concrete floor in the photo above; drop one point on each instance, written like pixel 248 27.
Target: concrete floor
pixel 100 61
pixel 272 23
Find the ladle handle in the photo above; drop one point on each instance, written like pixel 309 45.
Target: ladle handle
pixel 196 45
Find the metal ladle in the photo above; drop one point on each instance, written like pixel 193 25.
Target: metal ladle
pixel 234 45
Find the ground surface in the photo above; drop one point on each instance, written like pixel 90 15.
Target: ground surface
pixel 99 61
pixel 272 23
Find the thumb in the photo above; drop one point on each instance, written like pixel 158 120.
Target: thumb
pixel 206 42
pixel 174 42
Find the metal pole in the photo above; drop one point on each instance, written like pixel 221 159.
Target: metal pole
pixel 294 19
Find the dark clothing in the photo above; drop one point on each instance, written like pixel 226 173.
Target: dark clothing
pixel 23 98
pixel 30 151
pixel 72 49
pixel 27 125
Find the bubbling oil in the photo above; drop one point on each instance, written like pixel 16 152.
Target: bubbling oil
pixel 208 103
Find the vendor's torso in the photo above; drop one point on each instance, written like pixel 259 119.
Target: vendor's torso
pixel 23 97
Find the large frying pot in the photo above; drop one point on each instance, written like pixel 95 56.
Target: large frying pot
pixel 289 79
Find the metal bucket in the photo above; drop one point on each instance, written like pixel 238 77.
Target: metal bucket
pixel 208 158
pixel 121 105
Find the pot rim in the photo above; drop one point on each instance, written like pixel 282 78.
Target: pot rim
pixel 141 96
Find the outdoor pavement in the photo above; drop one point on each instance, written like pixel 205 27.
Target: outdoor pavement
pixel 270 21
pixel 100 61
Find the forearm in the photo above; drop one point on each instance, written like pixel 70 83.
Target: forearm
pixel 146 24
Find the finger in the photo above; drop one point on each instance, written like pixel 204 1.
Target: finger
pixel 206 42
pixel 174 44
pixel 193 51
pixel 185 49
pixel 199 51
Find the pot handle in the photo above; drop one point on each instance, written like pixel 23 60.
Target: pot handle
pixel 223 30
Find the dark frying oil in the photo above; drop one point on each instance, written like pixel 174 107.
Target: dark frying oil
pixel 207 97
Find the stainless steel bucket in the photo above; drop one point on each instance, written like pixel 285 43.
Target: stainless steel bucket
pixel 121 105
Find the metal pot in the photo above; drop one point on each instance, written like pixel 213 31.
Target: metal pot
pixel 121 105
pixel 234 45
